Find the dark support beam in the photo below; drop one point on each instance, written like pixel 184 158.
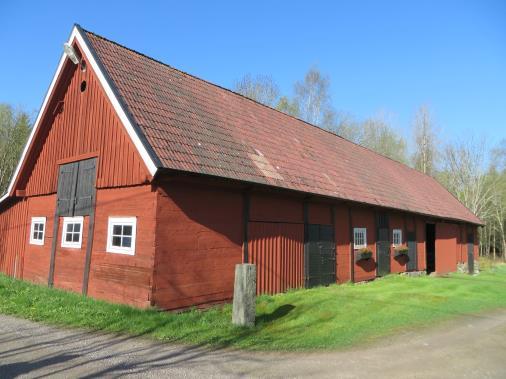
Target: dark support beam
pixel 89 245
pixel 306 242
pixel 334 239
pixel 352 254
pixel 56 221
pixel 245 221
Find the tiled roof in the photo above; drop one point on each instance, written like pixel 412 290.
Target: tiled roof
pixel 195 126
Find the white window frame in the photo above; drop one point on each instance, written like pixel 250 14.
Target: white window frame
pixel 72 220
pixel 37 220
pixel 359 230
pixel 399 233
pixel 132 221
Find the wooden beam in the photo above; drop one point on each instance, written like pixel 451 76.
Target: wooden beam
pixel 245 221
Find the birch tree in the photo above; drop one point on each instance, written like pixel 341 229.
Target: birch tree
pixel 464 175
pixel 426 153
pixel 312 97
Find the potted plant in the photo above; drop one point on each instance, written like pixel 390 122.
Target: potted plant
pixel 363 254
pixel 400 251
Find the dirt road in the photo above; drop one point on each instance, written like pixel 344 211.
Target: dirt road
pixel 473 347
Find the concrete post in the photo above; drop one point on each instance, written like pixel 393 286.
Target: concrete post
pixel 244 306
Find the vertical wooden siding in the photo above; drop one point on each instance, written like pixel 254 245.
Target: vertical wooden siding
pixel 277 249
pixel 446 247
pixel 86 124
pixel 14 231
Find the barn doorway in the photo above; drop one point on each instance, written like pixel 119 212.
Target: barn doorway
pixel 470 253
pixel 383 245
pixel 321 256
pixel 430 247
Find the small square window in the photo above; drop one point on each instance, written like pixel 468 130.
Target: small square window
pixel 397 237
pixel 72 235
pixel 37 230
pixel 121 235
pixel 359 238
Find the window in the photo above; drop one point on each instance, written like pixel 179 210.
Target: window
pixel 37 230
pixel 121 235
pixel 397 237
pixel 359 238
pixel 72 232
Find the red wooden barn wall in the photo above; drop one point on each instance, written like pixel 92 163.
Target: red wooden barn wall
pixel 13 231
pixel 446 247
pixel 36 262
pixel 119 277
pixel 364 217
pixel 198 243
pixel 276 241
pixel 277 249
pixel 86 124
pixel 77 125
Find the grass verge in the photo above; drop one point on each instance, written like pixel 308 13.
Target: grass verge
pixel 321 318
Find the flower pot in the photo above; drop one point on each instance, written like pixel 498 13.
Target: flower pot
pixel 362 256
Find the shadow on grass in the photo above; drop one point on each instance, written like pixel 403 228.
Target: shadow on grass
pixel 278 313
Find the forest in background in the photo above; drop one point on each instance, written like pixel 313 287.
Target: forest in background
pixel 468 167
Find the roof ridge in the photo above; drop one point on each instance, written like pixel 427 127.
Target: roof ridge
pixel 250 99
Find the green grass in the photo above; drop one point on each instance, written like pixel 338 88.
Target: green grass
pixel 321 318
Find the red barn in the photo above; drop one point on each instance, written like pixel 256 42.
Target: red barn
pixel 144 185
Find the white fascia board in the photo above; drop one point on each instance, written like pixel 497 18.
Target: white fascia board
pixel 76 35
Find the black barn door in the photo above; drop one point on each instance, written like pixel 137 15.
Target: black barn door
pixel 411 265
pixel 321 260
pixel 383 245
pixel 76 188
pixel 85 187
pixel 67 180
pixel 470 253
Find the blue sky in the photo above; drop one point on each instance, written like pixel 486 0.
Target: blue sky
pixel 382 57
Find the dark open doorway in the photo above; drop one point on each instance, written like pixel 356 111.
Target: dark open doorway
pixel 430 247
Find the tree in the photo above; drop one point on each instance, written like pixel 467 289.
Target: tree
pixel 378 136
pixel 261 88
pixel 14 130
pixel 313 99
pixel 288 106
pixel 426 152
pixel 465 177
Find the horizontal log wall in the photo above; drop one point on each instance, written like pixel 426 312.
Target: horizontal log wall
pixel 199 238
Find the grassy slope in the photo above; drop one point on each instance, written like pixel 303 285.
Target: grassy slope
pixel 332 317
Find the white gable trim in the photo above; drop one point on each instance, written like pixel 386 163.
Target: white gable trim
pixel 76 36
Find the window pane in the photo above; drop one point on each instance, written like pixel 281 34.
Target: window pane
pixel 77 228
pixel 127 241
pixel 75 237
pixel 127 230
pixel 69 227
pixel 68 237
pixel 34 235
pixel 116 241
pixel 41 227
pixel 116 230
pixel 39 236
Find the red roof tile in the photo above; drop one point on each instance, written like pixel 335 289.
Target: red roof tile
pixel 195 126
